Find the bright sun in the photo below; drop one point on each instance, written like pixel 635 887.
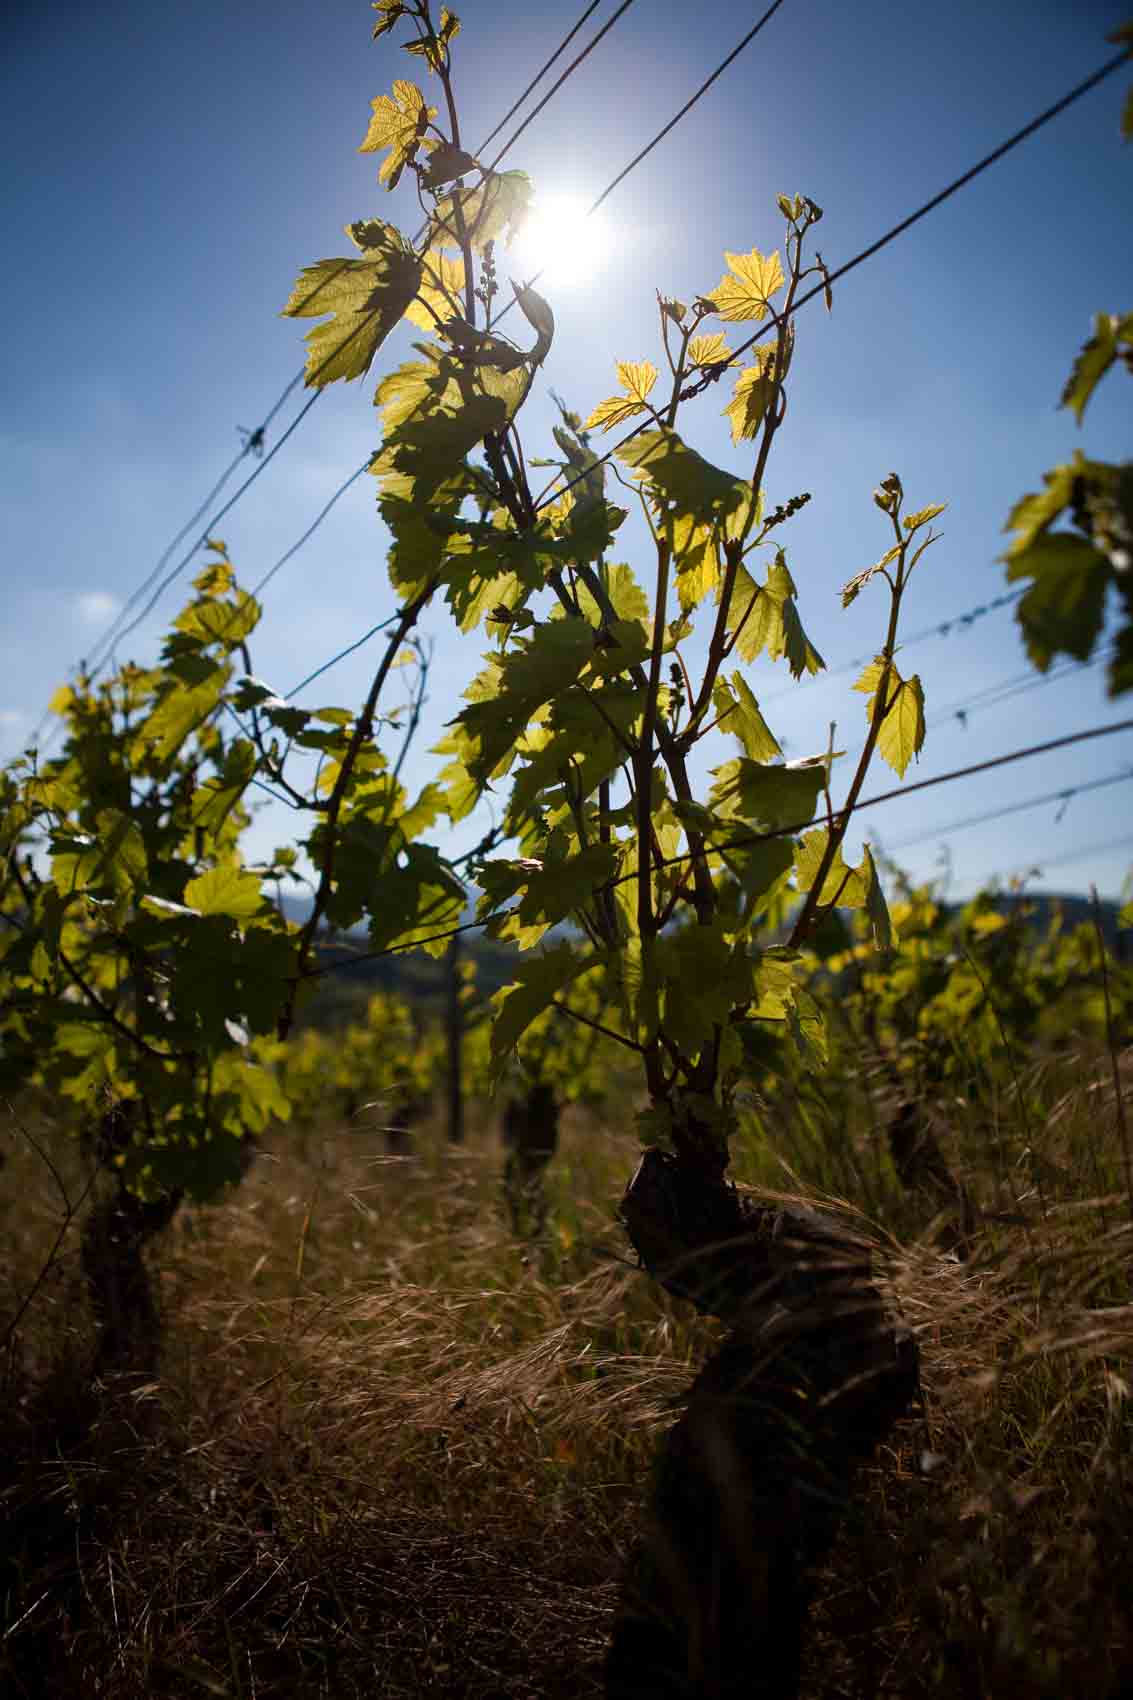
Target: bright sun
pixel 560 241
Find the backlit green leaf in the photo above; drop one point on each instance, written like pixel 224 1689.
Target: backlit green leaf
pixel 738 713
pixel 366 299
pixel 440 294
pixel 228 890
pixel 539 979
pixel 769 796
pixel 637 380
pixel 180 711
pixel 708 350
pixel 1064 608
pixel 745 291
pixel 495 208
pixel 913 522
pixel 397 122
pixel 903 728
pixel 755 390
pixel 844 886
pixel 876 906
pixel 1095 359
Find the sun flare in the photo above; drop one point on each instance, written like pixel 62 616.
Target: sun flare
pixel 562 241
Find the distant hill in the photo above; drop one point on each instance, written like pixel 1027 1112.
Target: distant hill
pixel 420 978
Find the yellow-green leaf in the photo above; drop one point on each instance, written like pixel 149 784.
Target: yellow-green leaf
pixel 858 583
pixel 748 724
pixel 399 124
pixel 225 891
pixel 1094 360
pixel 755 390
pixel 708 350
pixel 745 291
pixel 389 12
pixel 366 298
pixel 500 203
pixel 637 379
pixel 615 410
pixel 903 728
pixel 913 522
pixel 440 292
pixel 876 907
pixel 845 886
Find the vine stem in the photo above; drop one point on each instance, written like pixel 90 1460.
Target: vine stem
pixel 607 1032
pixel 643 775
pixel 363 729
pixel 835 834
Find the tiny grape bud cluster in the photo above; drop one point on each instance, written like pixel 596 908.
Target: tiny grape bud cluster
pixel 787 510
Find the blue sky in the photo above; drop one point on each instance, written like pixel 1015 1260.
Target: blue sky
pixel 170 170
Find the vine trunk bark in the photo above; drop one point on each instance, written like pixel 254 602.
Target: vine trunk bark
pixel 753 1480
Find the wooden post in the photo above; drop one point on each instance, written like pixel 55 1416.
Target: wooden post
pixel 454 1026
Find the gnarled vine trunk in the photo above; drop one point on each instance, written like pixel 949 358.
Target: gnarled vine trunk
pixel 752 1481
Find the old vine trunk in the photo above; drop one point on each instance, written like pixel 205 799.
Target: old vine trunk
pixel 752 1481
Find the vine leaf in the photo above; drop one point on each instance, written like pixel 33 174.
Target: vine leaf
pixel 637 379
pixel 1035 512
pixel 228 890
pixel 390 12
pixel 539 979
pixel 113 858
pixel 215 800
pixel 738 712
pixel 366 299
pixel 770 795
pixel 764 617
pixel 1112 337
pixel 445 163
pixel 744 292
pixel 440 292
pixel 397 122
pixel 179 710
pixel 702 975
pixel 876 907
pixel 913 522
pixel 495 207
pixel 506 697
pixel 627 598
pixel 553 886
pixel 701 506
pixel 539 316
pixel 1064 609
pixel 709 350
pixel 852 590
pixel 902 729
pixel 433 48
pixel 755 390
pixel 847 887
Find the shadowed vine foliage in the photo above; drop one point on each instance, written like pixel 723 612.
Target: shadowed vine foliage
pixel 146 962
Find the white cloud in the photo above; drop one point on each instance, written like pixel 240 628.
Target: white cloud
pixel 94 607
pixel 10 718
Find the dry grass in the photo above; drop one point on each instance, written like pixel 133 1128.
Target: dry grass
pixel 393 1454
